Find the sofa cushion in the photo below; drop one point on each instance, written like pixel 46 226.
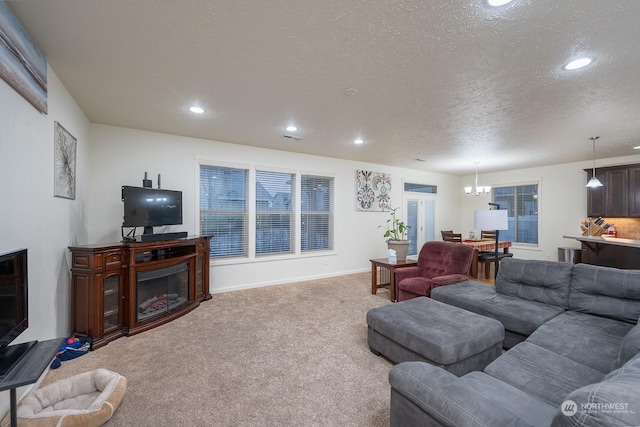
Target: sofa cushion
pixel 534 411
pixel 421 286
pixel 570 334
pixel 614 401
pixel 473 400
pixel 542 281
pixel 541 373
pixel 516 314
pixel 629 348
pixel 605 291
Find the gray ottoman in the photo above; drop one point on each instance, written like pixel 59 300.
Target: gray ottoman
pixel 422 329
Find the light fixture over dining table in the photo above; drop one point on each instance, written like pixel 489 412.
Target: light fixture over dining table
pixel 478 190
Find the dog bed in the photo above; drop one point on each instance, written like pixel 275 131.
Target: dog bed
pixel 84 400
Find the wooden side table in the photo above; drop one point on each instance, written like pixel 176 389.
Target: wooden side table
pixel 380 268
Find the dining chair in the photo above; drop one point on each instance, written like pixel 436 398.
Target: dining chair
pixel 453 237
pixel 488 234
pixel 445 233
pixel 486 258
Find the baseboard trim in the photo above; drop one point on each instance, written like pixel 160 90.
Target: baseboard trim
pixel 284 282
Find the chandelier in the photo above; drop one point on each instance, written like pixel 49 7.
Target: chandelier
pixel 478 190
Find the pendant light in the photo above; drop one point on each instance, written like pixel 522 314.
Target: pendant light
pixel 478 190
pixel 594 182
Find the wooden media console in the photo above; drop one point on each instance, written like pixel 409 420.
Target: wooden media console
pixel 125 288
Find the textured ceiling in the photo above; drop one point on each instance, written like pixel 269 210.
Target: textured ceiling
pixel 450 82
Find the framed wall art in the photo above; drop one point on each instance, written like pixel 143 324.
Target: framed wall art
pixel 373 191
pixel 64 168
pixel 22 65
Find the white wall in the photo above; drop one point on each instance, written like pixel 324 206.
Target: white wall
pixel 562 202
pixel 121 156
pixel 30 217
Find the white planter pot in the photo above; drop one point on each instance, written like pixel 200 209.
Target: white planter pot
pixel 400 246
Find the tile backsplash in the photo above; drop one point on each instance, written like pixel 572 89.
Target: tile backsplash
pixel 628 228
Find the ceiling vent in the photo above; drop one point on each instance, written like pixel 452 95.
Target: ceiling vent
pixel 297 138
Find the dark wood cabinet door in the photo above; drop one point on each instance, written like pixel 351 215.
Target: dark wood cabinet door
pixel 616 193
pixel 596 205
pixel 634 191
pixel 112 301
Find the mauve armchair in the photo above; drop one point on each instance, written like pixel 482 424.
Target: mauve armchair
pixel 439 263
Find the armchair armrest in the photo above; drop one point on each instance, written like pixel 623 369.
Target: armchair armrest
pixel 405 272
pixel 448 279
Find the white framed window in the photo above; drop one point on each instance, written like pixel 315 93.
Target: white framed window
pixel 316 228
pixel 253 212
pixel 224 209
pixel 274 214
pixel 521 202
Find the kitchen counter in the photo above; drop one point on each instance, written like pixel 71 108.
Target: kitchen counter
pixel 609 251
pixel 607 240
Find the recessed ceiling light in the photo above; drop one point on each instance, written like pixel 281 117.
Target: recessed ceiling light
pixel 291 128
pixel 350 91
pixel 498 3
pixel 197 110
pixel 637 147
pixel 578 63
pixel 358 141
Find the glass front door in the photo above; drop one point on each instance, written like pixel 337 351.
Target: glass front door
pixel 421 212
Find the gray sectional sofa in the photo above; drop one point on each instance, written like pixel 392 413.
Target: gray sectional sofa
pixel 573 358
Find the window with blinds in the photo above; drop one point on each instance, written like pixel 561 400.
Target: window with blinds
pixel 227 205
pixel 223 210
pixel 522 204
pixel 274 215
pixel 317 213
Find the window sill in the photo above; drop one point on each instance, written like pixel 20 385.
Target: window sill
pixel 271 258
pixel 526 246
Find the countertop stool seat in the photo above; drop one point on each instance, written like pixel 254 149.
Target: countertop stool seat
pixel 422 329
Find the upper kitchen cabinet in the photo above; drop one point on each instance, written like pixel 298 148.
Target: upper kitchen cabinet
pixel 620 194
pixel 634 191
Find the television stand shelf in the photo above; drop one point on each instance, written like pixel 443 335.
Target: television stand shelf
pixel 125 288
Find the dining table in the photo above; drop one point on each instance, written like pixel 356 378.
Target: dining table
pixel 484 245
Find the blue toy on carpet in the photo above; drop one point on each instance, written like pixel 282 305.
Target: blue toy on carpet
pixel 71 348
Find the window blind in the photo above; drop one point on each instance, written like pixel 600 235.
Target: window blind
pixel 274 215
pixel 317 213
pixel 223 210
pixel 522 204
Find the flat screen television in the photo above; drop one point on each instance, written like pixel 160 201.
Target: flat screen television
pixel 150 207
pixel 14 307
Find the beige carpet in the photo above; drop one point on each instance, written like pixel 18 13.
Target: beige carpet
pixel 287 355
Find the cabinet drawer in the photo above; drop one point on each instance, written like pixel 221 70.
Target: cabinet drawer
pixel 96 260
pixel 113 259
pixel 82 260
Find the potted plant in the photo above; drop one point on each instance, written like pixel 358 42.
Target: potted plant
pixel 396 231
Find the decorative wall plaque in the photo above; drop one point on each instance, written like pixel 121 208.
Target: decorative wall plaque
pixel 64 180
pixel 373 191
